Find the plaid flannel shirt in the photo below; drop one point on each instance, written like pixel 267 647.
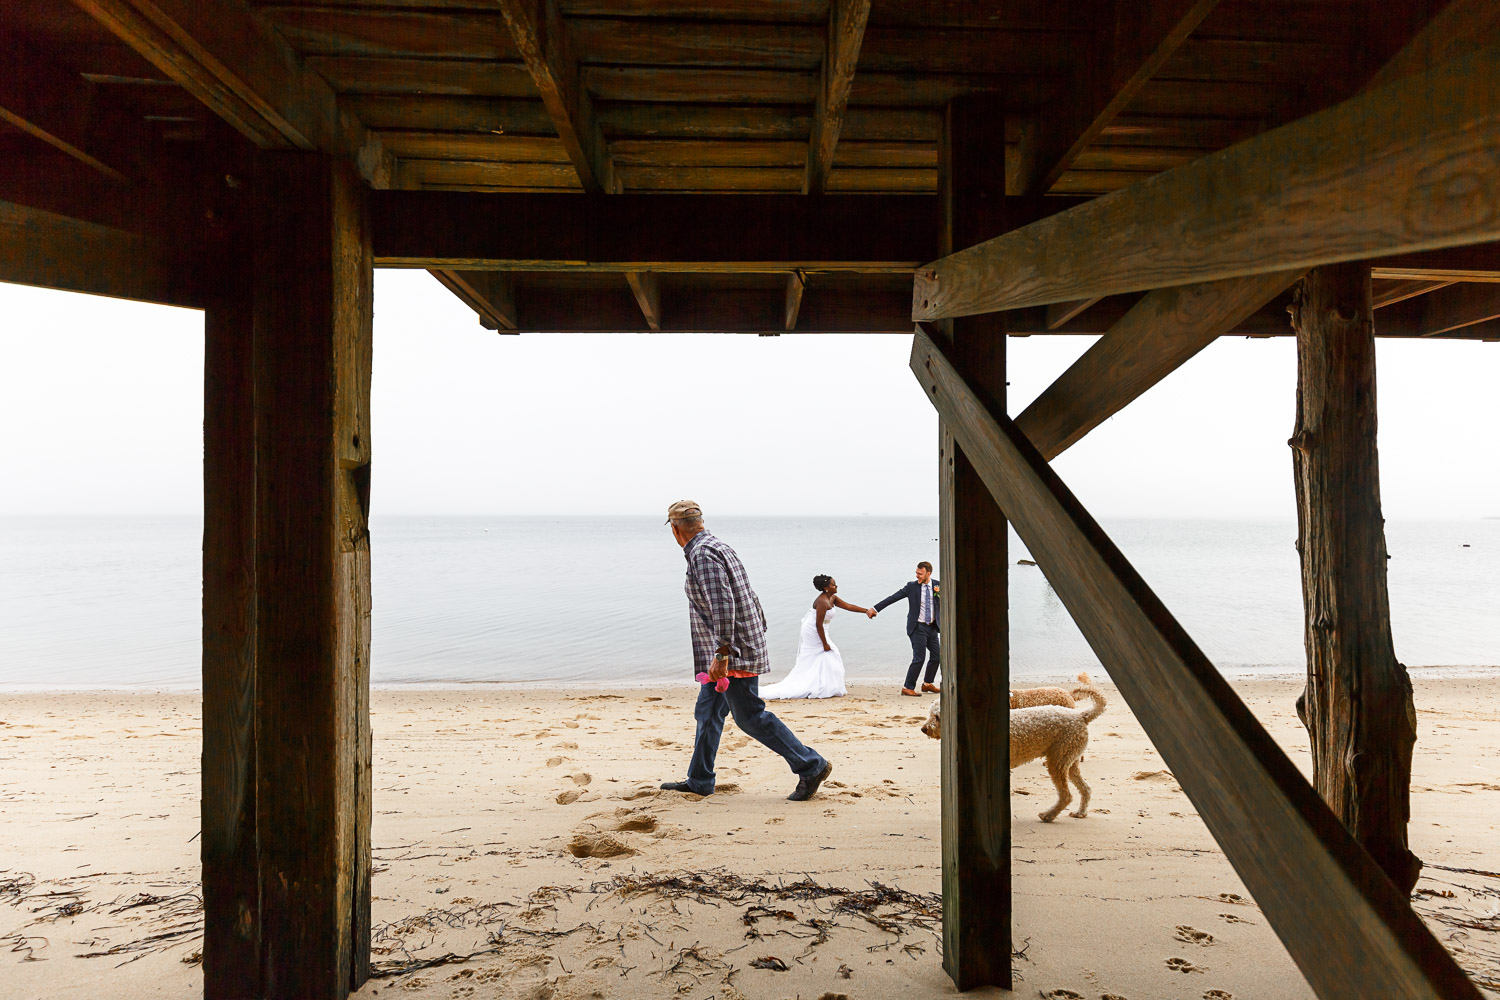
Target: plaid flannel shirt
pixel 722 609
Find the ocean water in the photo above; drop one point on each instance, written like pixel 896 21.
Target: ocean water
pixel 114 602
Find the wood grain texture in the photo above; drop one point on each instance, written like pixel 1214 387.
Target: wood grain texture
pixel 1358 708
pixel 460 77
pixel 225 54
pixel 229 845
pixel 1160 333
pixel 1416 157
pixel 43 248
pixel 846 31
pixel 796 284
pixel 1347 928
pixel 491 294
pixel 646 288
pixel 1059 313
pixel 975 571
pixel 652 232
pixel 1128 52
pixel 542 39
pixel 313 319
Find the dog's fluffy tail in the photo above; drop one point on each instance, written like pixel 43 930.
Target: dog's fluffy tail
pixel 1096 699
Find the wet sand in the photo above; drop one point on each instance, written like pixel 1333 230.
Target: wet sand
pixel 524 828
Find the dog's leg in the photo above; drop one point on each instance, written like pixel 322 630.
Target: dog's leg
pixel 1076 774
pixel 1059 776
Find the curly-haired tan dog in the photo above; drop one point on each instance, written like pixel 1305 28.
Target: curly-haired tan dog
pixel 1031 697
pixel 1057 734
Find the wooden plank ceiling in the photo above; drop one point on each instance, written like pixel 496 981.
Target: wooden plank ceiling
pixel 737 96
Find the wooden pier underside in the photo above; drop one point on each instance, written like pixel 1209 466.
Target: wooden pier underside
pixel 1159 174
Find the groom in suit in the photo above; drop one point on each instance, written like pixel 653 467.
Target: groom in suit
pixel 922 608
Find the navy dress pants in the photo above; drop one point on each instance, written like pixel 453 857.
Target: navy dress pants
pixel 743 700
pixel 924 642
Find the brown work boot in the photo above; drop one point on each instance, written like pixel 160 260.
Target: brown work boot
pixel 933 688
pixel 910 693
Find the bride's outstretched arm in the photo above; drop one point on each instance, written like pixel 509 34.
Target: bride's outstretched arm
pixel 840 602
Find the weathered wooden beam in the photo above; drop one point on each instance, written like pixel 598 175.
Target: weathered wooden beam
pixel 1459 306
pixel 1138 42
pixel 975 618
pixel 43 248
pixel 652 232
pixel 231 864
pixel 1358 709
pixel 228 56
pixel 1345 925
pixel 488 293
pixel 312 353
pixel 846 30
pixel 1160 333
pixel 646 288
pixel 542 38
pixel 1402 289
pixel 56 106
pixel 796 284
pixel 1279 202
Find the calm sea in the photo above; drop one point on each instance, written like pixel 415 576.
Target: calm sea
pixel 114 602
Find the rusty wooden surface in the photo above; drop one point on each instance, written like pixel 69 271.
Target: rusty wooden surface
pixel 1350 931
pixel 1358 707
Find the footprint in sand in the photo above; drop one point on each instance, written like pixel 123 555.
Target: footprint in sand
pixel 1183 965
pixel 1111 996
pixel 567 798
pixel 775 819
pixel 588 844
pixel 581 779
pixel 1062 995
pixel 555 761
pixel 1230 918
pixel 1218 995
pixel 657 743
pixel 631 820
pixel 566 746
pixel 638 793
pixel 1190 935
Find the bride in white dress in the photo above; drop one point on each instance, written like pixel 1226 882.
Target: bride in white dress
pixel 819 671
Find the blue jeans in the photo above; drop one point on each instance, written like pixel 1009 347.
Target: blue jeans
pixel 743 699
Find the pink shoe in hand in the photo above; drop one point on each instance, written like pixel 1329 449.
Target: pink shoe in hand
pixel 722 684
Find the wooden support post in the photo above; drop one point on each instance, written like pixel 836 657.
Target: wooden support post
pixel 1350 931
pixel 646 288
pixel 1358 705
pixel 796 284
pixel 975 628
pixel 313 316
pixel 231 887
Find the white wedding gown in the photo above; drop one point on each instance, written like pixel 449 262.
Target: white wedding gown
pixel 819 672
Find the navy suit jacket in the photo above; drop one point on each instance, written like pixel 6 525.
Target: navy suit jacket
pixel 912 594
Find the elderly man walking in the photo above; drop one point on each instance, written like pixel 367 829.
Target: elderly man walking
pixel 729 640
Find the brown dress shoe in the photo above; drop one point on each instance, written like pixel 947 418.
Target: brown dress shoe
pixel 910 693
pixel 933 688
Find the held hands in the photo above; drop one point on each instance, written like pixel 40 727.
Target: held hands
pixel 869 612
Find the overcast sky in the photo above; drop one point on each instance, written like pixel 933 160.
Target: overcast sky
pixel 101 401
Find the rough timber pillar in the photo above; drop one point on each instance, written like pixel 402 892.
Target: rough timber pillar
pixel 231 882
pixel 313 282
pixel 1358 704
pixel 975 630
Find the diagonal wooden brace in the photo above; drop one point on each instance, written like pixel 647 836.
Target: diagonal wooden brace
pixel 1345 925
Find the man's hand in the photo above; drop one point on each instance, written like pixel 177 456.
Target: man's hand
pixel 718 668
pixel 869 612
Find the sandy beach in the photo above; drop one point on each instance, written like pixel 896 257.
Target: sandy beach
pixel 524 830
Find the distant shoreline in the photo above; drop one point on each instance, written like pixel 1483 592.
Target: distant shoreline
pixel 1430 672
